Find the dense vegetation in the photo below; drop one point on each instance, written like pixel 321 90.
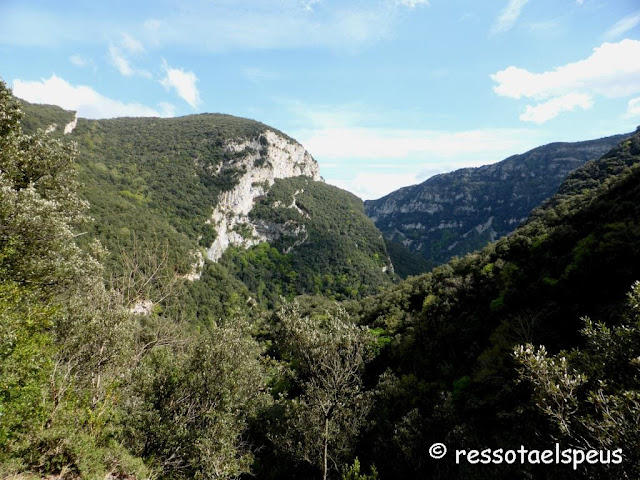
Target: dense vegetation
pixel 151 178
pixel 452 332
pixel 455 213
pixel 222 379
pixel 45 117
pixel 322 243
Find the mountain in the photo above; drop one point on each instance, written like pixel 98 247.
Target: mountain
pixel 458 212
pixel 318 240
pixel 451 333
pixel 222 378
pixel 218 189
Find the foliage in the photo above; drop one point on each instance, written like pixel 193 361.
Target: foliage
pixel 406 263
pixel 39 208
pixel 327 354
pixel 89 390
pixel 26 353
pixel 188 404
pixel 151 178
pixel 44 117
pixel 592 394
pixel 78 370
pixel 352 472
pixel 326 245
pixel 158 177
pixel 62 332
pixel 453 329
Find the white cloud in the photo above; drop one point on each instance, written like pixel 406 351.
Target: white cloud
pixel 307 5
pixel 552 108
pixel 183 82
pixel 119 61
pixel 627 23
pixel 372 185
pixel 633 107
pixel 167 109
pixel 330 116
pixel 389 144
pixel 508 16
pixel 412 3
pixel 80 61
pixel 83 99
pixel 119 56
pixel 609 71
pixel 131 44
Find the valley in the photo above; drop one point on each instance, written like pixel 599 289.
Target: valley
pixel 187 298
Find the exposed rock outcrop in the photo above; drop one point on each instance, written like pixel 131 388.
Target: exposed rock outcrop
pixel 266 158
pixel 68 128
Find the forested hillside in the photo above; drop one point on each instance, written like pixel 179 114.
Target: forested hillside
pixel 452 332
pixel 458 212
pixel 320 242
pixel 289 353
pixel 154 184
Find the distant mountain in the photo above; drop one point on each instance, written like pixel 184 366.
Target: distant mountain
pixel 222 192
pixel 452 331
pixel 458 212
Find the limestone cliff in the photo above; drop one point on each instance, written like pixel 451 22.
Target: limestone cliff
pixel 263 159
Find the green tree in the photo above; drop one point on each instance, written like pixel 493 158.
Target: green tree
pixel 592 394
pixel 328 354
pixel 63 341
pixel 40 210
pixel 190 402
pixel 352 472
pixel 26 353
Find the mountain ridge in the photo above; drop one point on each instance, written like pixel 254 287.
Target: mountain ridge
pixel 193 183
pixel 457 212
pixel 452 331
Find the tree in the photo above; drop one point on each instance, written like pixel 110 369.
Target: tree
pixel 328 354
pixel 26 353
pixel 592 395
pixel 40 210
pixel 189 404
pixel 352 472
pixel 62 340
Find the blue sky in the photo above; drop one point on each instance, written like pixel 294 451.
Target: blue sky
pixel 383 93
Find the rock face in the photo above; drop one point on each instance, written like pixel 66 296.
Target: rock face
pixel 68 128
pixel 263 159
pixel 455 213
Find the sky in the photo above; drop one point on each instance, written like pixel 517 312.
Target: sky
pixel 383 93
